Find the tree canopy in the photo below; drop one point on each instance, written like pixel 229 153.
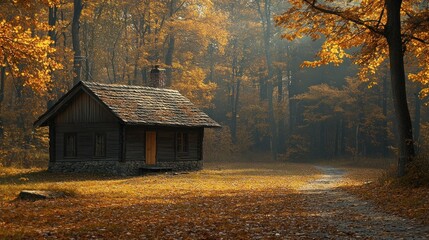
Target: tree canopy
pixel 380 30
pixel 228 58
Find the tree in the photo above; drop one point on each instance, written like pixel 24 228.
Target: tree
pixel 27 63
pixel 352 113
pixel 77 60
pixel 374 27
pixel 265 12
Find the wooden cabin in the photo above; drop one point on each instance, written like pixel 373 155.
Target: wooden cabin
pixel 119 129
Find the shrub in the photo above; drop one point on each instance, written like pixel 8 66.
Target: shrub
pixel 417 172
pixel 298 148
pixel 21 157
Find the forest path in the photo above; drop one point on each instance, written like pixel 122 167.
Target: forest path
pixel 347 217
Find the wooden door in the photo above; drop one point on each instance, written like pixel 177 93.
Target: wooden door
pixel 151 148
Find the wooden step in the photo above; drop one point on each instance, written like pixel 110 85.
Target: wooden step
pixel 151 169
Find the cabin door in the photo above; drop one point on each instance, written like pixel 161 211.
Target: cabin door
pixel 150 147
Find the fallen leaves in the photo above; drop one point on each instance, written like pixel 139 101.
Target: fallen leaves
pixel 225 201
pixel 411 203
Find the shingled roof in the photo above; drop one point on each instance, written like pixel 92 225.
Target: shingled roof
pixel 136 105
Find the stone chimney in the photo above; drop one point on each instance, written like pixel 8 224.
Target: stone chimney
pixel 157 77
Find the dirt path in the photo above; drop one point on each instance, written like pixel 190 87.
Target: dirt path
pixel 343 216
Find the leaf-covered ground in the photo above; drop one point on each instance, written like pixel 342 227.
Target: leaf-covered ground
pixel 232 201
pixel 224 201
pixel 349 217
pixel 409 202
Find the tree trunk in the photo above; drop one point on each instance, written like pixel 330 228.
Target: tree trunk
pixel 337 137
pixel 322 140
pixel 77 61
pixel 235 102
pixel 343 138
pixel 2 81
pixel 355 154
pixel 113 64
pixel 169 60
pixel 52 19
pixel 64 34
pixel 113 57
pixel 417 114
pixel 125 72
pixel 138 42
pixel 272 122
pixel 211 51
pixel 86 49
pixel 266 16
pixel 262 89
pixel 281 134
pixel 385 131
pixel 397 73
pixel 290 92
pixel 234 93
pixel 170 48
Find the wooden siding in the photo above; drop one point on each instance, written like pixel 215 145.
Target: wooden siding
pixel 166 146
pixel 193 153
pixel 135 143
pixel 85 141
pixel 122 143
pixel 52 143
pixel 200 144
pixel 84 109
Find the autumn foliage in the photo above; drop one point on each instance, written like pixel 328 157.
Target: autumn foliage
pixel 230 59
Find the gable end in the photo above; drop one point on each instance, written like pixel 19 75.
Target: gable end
pixel 76 106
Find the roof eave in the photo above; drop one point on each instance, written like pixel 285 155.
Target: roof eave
pixel 172 125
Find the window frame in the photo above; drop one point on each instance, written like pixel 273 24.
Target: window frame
pixel 66 136
pixel 182 143
pixel 104 147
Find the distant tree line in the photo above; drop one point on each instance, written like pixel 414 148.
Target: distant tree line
pixel 229 58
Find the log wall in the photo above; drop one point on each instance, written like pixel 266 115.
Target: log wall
pixel 85 134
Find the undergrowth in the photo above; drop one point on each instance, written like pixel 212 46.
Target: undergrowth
pixel 417 174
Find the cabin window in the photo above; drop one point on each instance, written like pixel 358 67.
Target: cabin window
pixel 182 142
pixel 100 145
pixel 70 145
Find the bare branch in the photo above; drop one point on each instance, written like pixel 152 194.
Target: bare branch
pixel 313 4
pixel 412 37
pixel 381 16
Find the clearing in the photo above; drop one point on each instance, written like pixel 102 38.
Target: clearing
pixel 224 201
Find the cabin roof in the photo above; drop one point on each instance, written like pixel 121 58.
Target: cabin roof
pixel 137 105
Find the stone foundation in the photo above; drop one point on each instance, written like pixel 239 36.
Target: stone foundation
pixel 183 165
pixel 127 168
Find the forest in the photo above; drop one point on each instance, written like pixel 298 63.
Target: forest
pixel 278 81
pixel 323 107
